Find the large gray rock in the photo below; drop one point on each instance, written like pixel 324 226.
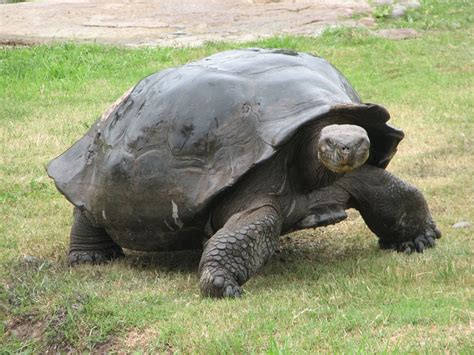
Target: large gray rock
pixel 398 11
pixel 461 224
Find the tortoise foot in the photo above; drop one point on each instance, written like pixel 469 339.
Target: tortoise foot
pixel 98 256
pixel 418 244
pixel 219 284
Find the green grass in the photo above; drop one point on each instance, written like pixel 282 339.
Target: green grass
pixel 328 290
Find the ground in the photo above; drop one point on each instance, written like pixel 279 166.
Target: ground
pixel 171 22
pixel 328 290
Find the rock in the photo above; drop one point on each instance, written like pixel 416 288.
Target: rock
pixel 462 224
pixel 398 11
pixel 397 33
pixel 382 2
pixel 263 1
pixel 30 259
pixel 410 4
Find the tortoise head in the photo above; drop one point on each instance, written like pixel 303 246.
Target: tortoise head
pixel 343 148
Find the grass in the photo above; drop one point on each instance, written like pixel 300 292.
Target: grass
pixel 327 290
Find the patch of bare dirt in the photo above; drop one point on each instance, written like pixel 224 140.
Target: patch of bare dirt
pixel 111 345
pixel 172 22
pixel 27 327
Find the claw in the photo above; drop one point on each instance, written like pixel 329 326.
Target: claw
pixel 419 246
pixel 426 239
pixel 431 242
pixel 218 284
pixel 406 247
pixel 99 256
pixel 218 281
pixel 420 243
pixel 429 233
pixel 232 291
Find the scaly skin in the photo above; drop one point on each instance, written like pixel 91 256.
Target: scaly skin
pixel 238 250
pixel 343 147
pixel 392 209
pixel 89 243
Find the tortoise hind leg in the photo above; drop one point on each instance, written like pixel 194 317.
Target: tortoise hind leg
pixel 233 254
pixel 89 243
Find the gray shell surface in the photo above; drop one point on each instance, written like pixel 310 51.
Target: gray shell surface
pixel 149 169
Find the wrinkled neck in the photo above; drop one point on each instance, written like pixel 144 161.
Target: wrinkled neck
pixel 312 172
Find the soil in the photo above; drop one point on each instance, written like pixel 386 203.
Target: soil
pixel 173 22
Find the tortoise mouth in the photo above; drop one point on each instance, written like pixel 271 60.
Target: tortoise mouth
pixel 343 148
pixel 341 163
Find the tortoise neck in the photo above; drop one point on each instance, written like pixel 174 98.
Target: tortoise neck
pixel 312 172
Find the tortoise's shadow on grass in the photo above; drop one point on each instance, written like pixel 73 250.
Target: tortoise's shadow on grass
pixel 292 253
pixel 312 252
pixel 306 262
pixel 184 261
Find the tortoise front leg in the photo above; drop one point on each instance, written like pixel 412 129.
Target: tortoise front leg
pixel 394 210
pixel 233 254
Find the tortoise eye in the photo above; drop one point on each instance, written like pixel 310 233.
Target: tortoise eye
pixel 329 142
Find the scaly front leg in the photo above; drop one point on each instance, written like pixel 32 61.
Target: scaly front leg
pixel 236 251
pixel 394 210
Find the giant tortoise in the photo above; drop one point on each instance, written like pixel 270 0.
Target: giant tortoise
pixel 227 154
